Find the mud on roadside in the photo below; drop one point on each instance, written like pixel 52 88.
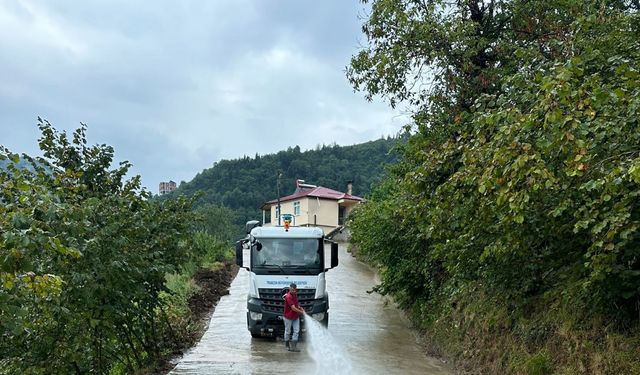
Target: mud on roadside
pixel 213 285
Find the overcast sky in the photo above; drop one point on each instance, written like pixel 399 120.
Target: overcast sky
pixel 175 86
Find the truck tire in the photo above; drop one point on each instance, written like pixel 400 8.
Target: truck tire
pixel 255 335
pixel 325 321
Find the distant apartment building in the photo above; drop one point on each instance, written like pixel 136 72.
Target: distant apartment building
pixel 167 187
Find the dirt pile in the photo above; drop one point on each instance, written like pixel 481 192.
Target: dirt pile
pixel 214 284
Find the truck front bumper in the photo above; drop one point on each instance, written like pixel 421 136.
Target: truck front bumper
pixel 262 323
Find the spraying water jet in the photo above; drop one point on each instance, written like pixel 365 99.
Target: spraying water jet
pixel 328 354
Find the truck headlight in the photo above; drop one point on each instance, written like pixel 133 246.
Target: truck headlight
pixel 256 315
pixel 318 316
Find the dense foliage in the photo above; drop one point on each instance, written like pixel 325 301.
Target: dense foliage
pixel 521 180
pixel 243 185
pixel 84 256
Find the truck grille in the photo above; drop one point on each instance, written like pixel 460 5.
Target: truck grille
pixel 272 299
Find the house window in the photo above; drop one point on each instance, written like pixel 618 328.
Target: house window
pixel 267 216
pixel 341 215
pixel 296 208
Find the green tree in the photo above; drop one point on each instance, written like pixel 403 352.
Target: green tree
pixel 217 221
pixel 84 257
pixel 519 182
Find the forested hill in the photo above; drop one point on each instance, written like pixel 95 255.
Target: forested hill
pixel 21 164
pixel 244 184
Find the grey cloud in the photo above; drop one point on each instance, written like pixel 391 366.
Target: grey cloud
pixel 176 86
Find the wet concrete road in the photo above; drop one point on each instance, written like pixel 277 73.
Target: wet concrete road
pixel 374 335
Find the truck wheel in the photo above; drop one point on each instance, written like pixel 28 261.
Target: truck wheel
pixel 255 335
pixel 325 321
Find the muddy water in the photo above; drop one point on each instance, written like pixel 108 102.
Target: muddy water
pixel 373 336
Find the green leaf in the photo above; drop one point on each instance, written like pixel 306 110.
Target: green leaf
pixel 23 186
pixel 634 172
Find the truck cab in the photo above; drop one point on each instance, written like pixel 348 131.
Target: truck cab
pixel 279 256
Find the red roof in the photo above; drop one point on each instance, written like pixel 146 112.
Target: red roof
pixel 317 192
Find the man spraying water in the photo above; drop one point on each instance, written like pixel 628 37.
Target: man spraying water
pixel 292 312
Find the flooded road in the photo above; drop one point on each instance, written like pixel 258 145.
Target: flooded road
pixel 374 336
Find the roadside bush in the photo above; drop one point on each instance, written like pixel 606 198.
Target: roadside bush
pixel 210 249
pixel 92 271
pixel 520 181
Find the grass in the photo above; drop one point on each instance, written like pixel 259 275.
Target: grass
pixel 483 336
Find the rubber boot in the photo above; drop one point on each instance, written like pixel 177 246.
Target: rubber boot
pixel 292 346
pixel 286 344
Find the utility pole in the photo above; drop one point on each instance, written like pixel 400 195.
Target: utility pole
pixel 278 187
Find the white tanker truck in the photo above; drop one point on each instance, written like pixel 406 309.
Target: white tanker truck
pixel 279 256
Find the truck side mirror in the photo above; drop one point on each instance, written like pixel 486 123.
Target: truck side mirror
pixel 239 253
pixel 250 225
pixel 334 254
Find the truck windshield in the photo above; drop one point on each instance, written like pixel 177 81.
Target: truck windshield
pixel 288 252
